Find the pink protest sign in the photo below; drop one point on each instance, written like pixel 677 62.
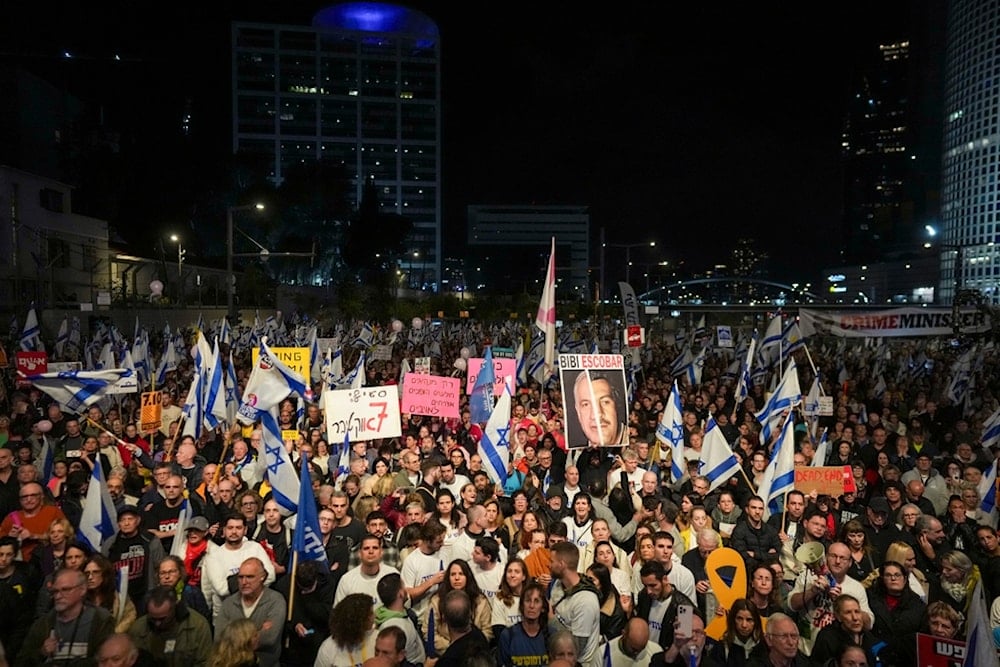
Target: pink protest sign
pixel 502 368
pixel 431 395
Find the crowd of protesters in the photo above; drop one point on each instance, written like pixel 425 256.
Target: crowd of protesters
pixel 577 557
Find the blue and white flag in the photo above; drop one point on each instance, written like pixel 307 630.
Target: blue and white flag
pixel 693 371
pixel 494 446
pixel 344 458
pixel 791 339
pixel 307 541
pixel 76 391
pixel 785 397
pixel 232 391
pixel 520 363
pixel 270 382
pixel 168 361
pixel 179 546
pixel 670 433
pixel 31 339
pixel 315 358
pixel 215 390
pixel 481 398
pixel 193 408
pixel 980 650
pixel 99 519
pixel 46 457
pixel 822 450
pixel 62 337
pixel 770 347
pixel 365 337
pixel 988 491
pixel 779 476
pixel 280 471
pixel 991 430
pixel 718 463
pixel 811 406
pixel 744 383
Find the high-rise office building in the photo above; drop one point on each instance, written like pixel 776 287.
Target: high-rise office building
pixel 891 141
pixel 358 89
pixel 970 195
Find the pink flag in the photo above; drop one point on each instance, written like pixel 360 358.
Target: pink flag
pixel 546 317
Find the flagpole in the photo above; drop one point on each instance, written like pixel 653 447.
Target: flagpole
pixel 291 592
pixel 226 440
pixel 169 451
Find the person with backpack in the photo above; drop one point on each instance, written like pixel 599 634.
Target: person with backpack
pixel 393 612
pixel 575 604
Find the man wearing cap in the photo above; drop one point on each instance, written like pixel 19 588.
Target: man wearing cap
pixel 197 545
pixel 138 550
pixel 880 530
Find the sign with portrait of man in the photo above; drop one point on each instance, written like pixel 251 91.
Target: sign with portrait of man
pixel 593 389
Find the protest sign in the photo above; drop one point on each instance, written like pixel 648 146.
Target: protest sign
pixel 368 413
pixel 594 399
pixel 824 480
pixel 431 395
pixel 296 358
pixel 502 368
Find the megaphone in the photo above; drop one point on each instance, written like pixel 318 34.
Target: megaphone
pixel 812 555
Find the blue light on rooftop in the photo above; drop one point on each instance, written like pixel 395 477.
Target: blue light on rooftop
pixel 376 17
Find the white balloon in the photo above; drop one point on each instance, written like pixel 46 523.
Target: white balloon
pixel 44 426
pixel 156 287
pixel 397 326
pixel 417 323
pixel 465 353
pixel 460 364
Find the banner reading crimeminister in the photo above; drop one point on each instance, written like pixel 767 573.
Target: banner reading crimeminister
pixel 594 402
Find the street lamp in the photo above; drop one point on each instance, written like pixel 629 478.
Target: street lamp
pixel 180 254
pixel 956 277
pixel 230 278
pixel 628 253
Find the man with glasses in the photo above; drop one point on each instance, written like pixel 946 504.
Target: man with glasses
pixel 782 638
pixel 814 591
pixel 72 631
pixel 173 575
pixel 220 567
pixel 30 524
pixel 262 605
pixel 172 634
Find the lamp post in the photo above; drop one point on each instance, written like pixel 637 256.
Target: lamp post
pixel 628 253
pixel 956 277
pixel 180 254
pixel 180 267
pixel 230 278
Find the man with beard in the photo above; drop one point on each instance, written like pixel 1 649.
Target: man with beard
pixel 220 567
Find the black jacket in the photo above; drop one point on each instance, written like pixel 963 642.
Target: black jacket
pixel 897 627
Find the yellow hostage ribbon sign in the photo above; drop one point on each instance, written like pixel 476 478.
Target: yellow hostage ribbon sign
pixel 727 575
pixel 296 358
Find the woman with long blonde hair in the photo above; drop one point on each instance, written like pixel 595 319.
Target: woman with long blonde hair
pixel 235 645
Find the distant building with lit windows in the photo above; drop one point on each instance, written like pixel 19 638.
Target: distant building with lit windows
pixel 360 89
pixel 509 247
pixel 970 195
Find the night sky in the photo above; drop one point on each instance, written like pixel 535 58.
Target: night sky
pixel 691 126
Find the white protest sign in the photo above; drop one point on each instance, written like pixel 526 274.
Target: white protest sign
pixel 368 413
